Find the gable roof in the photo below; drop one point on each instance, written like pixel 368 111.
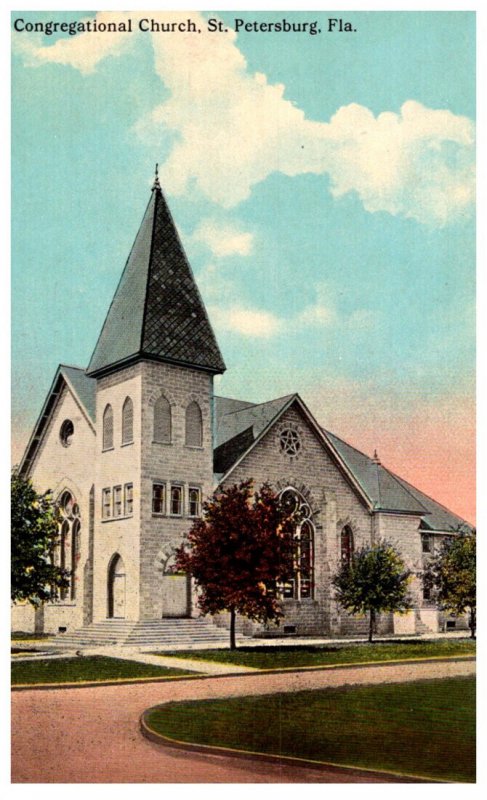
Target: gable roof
pixel 385 491
pixel 83 389
pixel 157 312
pixel 241 424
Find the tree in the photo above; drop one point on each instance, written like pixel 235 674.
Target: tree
pixel 374 581
pixel 35 526
pixel 238 553
pixel 452 575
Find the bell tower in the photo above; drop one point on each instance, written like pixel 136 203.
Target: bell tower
pixel 154 364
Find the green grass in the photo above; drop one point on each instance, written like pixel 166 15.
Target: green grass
pixel 278 657
pixel 92 668
pixel 21 635
pixel 425 729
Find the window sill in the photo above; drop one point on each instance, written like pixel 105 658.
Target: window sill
pixel 117 519
pixel 107 449
pixel 126 444
pixel 194 447
pixel 164 444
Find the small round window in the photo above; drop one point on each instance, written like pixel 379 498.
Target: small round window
pixel 66 432
pixel 290 442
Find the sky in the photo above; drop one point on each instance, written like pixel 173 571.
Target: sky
pixel 323 188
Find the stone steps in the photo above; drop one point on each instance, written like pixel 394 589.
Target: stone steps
pixel 166 633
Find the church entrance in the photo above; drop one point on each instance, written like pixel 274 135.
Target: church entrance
pixel 116 588
pixel 175 595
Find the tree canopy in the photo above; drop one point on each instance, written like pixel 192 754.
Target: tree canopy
pixel 238 553
pixel 375 580
pixel 452 575
pixel 35 525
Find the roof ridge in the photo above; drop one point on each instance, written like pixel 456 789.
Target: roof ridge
pixel 398 478
pixel 74 366
pixel 256 405
pixel 330 433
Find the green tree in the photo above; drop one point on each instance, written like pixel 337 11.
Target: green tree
pixel 452 575
pixel 374 581
pixel 35 526
pixel 238 552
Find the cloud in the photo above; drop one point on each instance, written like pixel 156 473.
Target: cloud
pixel 233 129
pixel 223 238
pixel 245 321
pixel 83 51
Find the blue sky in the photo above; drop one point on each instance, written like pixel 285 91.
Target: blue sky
pixel 323 189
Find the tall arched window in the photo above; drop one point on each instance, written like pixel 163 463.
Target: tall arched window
pixel 162 420
pixel 74 556
pixel 127 421
pixel 300 585
pixel 346 545
pixel 194 425
pixel 108 428
pixel 68 548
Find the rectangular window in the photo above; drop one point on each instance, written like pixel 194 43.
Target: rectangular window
pixel 176 501
pixel 158 498
pixel 194 502
pixel 426 543
pixel 106 507
pixel 117 501
pixel 128 499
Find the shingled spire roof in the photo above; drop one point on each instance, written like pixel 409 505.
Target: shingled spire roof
pixel 157 312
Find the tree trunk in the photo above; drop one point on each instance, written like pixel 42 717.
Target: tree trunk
pixel 233 644
pixel 471 622
pixel 371 623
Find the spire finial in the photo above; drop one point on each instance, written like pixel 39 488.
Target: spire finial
pixel 376 458
pixel 156 185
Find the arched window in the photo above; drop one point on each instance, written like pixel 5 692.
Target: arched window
pixel 68 548
pixel 162 420
pixel 74 556
pixel 300 585
pixel 194 425
pixel 108 428
pixel 127 421
pixel 346 545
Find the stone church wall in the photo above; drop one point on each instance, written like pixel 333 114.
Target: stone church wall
pixel 116 467
pixel 57 468
pixel 333 503
pixel 174 463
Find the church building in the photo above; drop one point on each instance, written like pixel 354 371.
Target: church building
pixel 131 446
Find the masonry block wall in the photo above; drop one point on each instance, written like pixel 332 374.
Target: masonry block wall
pixel 58 468
pixel 174 463
pixel 117 466
pixel 334 505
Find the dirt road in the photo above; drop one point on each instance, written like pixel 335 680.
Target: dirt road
pixel 91 735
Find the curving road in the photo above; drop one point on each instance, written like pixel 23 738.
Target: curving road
pixel 91 735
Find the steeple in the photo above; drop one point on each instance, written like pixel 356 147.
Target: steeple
pixel 157 312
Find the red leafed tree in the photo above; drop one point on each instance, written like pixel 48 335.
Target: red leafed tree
pixel 239 552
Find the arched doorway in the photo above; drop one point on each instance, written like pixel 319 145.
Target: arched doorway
pixel 116 588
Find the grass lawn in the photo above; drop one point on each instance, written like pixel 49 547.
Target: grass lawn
pixel 90 668
pixel 425 729
pixel 278 657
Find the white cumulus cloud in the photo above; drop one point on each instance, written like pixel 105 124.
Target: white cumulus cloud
pixel 231 129
pixel 245 321
pixel 224 238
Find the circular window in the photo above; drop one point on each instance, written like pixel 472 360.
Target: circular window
pixel 66 432
pixel 290 442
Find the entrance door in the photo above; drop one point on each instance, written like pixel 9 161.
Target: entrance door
pixel 116 588
pixel 175 591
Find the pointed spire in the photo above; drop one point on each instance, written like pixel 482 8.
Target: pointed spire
pixel 156 185
pixel 157 312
